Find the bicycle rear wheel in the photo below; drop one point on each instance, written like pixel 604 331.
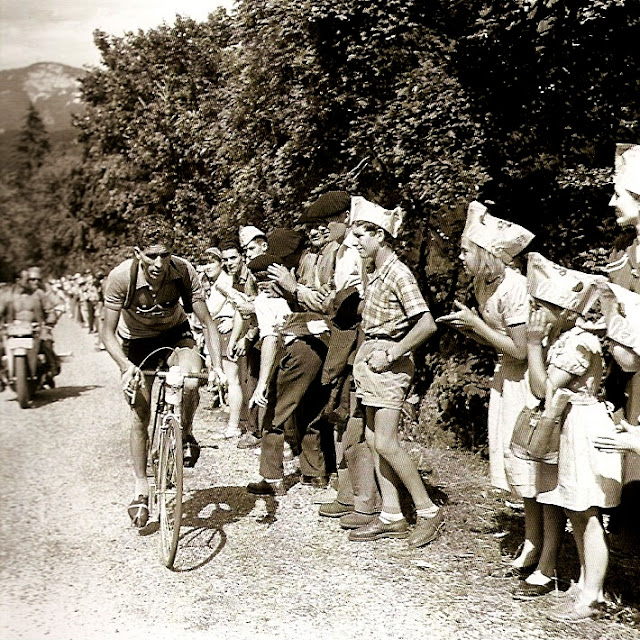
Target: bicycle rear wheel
pixel 169 489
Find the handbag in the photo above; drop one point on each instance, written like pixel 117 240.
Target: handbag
pixel 536 437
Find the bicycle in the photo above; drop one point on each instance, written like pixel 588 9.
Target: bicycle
pixel 166 457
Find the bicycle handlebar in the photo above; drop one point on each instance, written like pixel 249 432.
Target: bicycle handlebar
pixel 163 374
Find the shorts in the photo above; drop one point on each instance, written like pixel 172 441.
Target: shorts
pixel 139 350
pixel 385 390
pixel 224 339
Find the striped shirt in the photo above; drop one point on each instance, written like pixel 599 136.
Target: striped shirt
pixel 392 301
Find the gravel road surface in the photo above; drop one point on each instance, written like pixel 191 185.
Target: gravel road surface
pixel 72 568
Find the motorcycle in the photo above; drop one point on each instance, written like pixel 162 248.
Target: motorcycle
pixel 26 368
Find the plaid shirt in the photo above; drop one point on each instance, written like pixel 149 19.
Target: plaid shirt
pixel 392 301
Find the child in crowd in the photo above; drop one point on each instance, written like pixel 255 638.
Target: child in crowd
pixel 395 321
pixel 622 314
pixel 488 247
pixel 588 479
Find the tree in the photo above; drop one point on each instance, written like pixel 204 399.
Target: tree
pixel 33 145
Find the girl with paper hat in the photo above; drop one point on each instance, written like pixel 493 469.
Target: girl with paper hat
pixel 566 372
pixel 624 266
pixel 488 247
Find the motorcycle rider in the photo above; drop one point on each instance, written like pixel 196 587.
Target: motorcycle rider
pixel 28 302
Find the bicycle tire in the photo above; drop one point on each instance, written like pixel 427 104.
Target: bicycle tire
pixel 169 488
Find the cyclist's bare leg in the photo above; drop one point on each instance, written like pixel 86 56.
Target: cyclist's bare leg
pixel 189 361
pixel 138 436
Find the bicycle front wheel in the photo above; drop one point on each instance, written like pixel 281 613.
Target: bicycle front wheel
pixel 169 489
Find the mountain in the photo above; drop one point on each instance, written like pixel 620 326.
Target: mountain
pixel 54 89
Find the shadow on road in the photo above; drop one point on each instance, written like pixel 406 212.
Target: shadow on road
pixel 49 396
pixel 204 516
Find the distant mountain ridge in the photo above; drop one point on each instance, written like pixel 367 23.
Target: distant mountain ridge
pixel 53 88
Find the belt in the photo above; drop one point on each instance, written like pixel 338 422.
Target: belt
pixel 387 338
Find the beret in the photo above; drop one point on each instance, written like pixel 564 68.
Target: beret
pixel 326 206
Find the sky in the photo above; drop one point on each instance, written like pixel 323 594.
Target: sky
pixel 61 30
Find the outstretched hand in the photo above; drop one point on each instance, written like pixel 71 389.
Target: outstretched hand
pixel 465 319
pixel 627 439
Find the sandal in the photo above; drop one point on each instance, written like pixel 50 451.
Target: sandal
pixel 191 451
pixel 139 511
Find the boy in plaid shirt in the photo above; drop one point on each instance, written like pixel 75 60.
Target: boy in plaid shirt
pixel 395 321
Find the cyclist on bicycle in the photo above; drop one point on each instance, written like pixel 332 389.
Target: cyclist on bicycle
pixel 142 321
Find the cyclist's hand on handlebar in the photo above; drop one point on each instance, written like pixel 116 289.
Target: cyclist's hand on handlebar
pixel 132 379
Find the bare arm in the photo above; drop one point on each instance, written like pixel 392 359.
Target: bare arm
pixel 513 344
pixel 211 336
pixel 421 331
pixel 268 353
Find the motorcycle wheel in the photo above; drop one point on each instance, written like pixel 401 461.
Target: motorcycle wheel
pixel 23 390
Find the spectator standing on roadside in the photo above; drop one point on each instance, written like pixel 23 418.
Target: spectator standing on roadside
pixel 395 321
pixel 569 379
pixel 488 247
pixel 623 387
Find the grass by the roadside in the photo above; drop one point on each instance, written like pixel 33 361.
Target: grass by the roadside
pixel 486 526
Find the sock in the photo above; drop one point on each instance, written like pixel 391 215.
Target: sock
pixel 141 487
pixel 538 578
pixel 388 518
pixel 430 512
pixel 273 480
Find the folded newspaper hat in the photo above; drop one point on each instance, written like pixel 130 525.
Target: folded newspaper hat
pixel 500 237
pixel 249 233
pixel 566 288
pixel 364 211
pixel 326 206
pixel 212 253
pixel 621 309
pixel 627 167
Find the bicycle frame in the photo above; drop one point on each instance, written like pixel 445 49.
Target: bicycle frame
pixel 166 485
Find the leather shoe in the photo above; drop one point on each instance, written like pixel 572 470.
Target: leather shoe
pixel 318 482
pixel 356 520
pixel 426 530
pixel 264 488
pixel 378 529
pixel 522 573
pixel 248 441
pixel 191 451
pixel 526 591
pixel 335 509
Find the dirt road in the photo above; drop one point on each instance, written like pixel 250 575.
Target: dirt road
pixel 72 568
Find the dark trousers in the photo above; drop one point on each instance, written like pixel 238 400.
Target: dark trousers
pixel 357 483
pixel 298 399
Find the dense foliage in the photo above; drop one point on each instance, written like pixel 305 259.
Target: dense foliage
pixel 246 117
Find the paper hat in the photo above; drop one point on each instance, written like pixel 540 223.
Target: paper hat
pixel 621 309
pixel 249 233
pixel 502 238
pixel 326 206
pixel 364 211
pixel 627 167
pixel 566 288
pixel 212 253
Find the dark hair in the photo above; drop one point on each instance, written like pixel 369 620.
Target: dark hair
pixel 230 244
pixel 374 228
pixel 151 230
